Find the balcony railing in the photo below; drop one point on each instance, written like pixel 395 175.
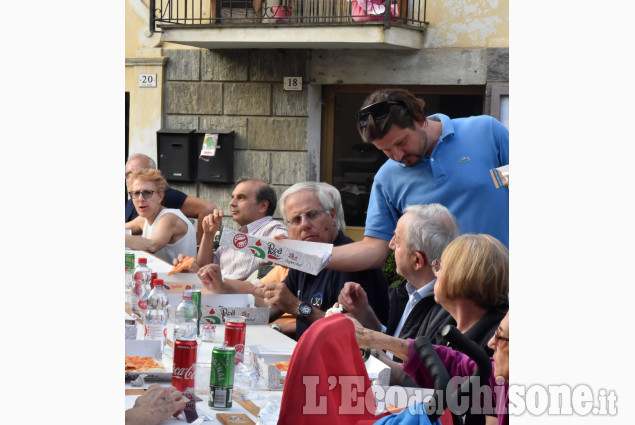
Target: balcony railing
pixel 165 14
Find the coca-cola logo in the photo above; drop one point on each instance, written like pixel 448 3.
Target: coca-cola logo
pixel 183 373
pixel 240 240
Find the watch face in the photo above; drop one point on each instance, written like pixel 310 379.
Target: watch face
pixel 304 309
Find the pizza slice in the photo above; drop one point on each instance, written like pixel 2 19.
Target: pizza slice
pixel 142 364
pixel 183 265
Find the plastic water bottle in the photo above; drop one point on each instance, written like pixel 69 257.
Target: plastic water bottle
pixel 129 277
pixel 186 318
pixel 157 315
pixel 142 276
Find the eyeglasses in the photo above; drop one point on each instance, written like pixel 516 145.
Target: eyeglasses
pixel 310 215
pixel 498 337
pixel 379 111
pixel 436 267
pixel 147 194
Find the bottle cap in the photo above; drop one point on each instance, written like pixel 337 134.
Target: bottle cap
pixel 157 282
pixel 142 261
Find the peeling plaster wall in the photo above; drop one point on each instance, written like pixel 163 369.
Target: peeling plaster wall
pixel 467 23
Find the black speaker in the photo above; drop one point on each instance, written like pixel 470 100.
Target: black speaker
pixel 220 167
pixel 176 151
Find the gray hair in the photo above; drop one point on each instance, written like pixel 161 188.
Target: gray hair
pixel 432 229
pixel 328 195
pixel 153 165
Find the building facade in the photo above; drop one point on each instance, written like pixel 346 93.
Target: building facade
pixel 458 63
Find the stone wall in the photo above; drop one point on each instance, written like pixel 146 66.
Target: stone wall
pixel 241 90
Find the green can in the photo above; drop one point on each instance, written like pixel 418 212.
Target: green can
pixel 221 379
pixel 196 297
pixel 129 260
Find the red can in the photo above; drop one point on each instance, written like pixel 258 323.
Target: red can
pixel 235 332
pixel 184 366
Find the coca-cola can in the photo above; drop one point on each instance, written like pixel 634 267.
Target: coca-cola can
pixel 235 333
pixel 184 366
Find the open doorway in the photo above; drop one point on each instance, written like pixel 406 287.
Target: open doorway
pixel 349 164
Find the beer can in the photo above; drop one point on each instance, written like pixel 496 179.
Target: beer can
pixel 235 333
pixel 184 366
pixel 196 297
pixel 221 379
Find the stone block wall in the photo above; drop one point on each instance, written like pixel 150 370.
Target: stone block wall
pixel 241 90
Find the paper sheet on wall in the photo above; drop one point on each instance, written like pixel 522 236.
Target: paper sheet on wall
pixel 309 257
pixel 210 142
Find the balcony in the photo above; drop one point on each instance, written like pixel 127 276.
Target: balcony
pixel 291 24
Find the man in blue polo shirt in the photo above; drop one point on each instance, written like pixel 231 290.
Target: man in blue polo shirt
pixel 432 159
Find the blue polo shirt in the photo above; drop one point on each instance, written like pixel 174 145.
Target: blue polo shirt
pixel 456 175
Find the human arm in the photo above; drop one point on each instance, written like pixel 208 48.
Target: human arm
pixel 135 225
pixel 212 279
pixel 354 300
pixel 366 254
pixel 282 300
pixel 210 225
pixel 370 338
pixel 455 362
pixel 168 226
pixel 154 406
pixel 197 208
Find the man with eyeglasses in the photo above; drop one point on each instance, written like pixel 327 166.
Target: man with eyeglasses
pixel 421 236
pixel 313 212
pixel 432 159
pixel 190 206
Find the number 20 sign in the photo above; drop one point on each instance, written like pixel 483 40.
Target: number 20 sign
pixel 147 80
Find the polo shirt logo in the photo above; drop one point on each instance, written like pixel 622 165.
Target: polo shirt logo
pixel 464 159
pixel 316 300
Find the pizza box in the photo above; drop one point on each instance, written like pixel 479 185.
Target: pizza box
pixel 309 257
pixel 148 348
pixel 217 314
pixel 378 371
pixel 175 294
pixel 264 359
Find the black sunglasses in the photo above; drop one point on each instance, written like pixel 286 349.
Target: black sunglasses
pixel 379 111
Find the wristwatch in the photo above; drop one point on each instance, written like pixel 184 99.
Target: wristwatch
pixel 304 311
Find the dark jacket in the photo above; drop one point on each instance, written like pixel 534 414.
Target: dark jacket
pixel 481 332
pixel 426 318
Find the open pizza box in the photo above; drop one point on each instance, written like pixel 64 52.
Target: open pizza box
pixel 265 360
pixel 148 348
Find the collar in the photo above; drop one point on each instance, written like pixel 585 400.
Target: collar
pixel 447 129
pixel 421 292
pixel 254 226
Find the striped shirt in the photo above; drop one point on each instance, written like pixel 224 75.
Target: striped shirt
pixel 238 265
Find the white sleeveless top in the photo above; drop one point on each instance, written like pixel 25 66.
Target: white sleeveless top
pixel 186 245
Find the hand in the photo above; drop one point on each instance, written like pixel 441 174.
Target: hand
pixel 278 295
pixel 212 278
pixel 353 298
pixel 157 404
pixel 193 268
pixel 212 222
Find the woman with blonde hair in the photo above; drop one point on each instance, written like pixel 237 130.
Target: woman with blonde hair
pixel 473 286
pixel 165 232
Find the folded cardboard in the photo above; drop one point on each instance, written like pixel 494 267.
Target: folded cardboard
pixel 500 176
pixel 217 314
pixel 309 257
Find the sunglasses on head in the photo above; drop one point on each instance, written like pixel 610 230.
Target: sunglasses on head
pixel 379 111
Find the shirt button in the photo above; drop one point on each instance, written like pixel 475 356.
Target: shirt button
pixel 431 159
